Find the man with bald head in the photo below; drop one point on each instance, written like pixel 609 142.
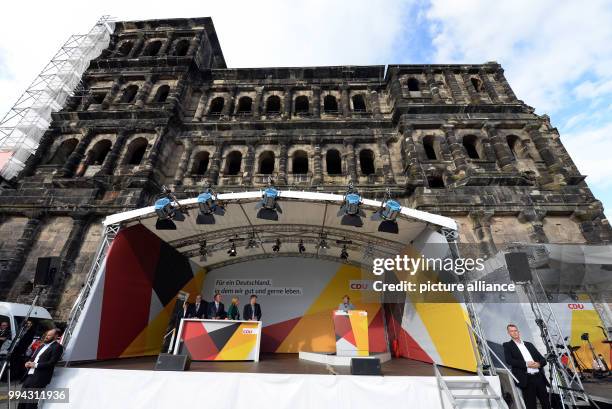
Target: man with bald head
pixel 42 363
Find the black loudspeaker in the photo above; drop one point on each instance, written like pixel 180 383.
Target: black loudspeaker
pixel 365 366
pixel 46 268
pixel 518 267
pixel 170 362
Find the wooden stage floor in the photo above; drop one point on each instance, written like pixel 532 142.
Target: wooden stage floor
pixel 277 363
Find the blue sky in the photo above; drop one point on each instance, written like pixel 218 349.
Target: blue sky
pixel 557 54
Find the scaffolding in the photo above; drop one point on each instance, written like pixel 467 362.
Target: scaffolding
pixel 25 123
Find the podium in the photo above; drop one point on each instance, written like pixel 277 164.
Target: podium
pixel 351 329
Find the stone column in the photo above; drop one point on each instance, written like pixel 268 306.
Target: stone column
pixel 467 82
pixel 344 101
pixel 488 86
pixel 499 77
pixel 112 93
pixel 201 108
pixel 374 103
pixel 257 102
pixel 351 162
pixel 282 162
pixel 229 103
pixel 433 88
pixel 544 148
pixel 77 155
pixel 20 254
pixel 249 162
pixel 481 222
pixel 184 162
pixel 287 103
pixel 153 156
pixel 504 156
pixel 451 82
pixel 194 43
pixel 110 162
pixel 175 94
pixel 317 177
pixel 46 142
pixel 411 166
pixel 136 47
pixel 215 164
pixel 534 218
pixel 457 151
pixel 316 102
pixel 383 148
pixel 585 218
pixel 163 50
pixel 144 91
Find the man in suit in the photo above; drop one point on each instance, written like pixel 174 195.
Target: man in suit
pixel 252 311
pixel 198 309
pixel 41 365
pixel 216 309
pixel 5 332
pixel 527 366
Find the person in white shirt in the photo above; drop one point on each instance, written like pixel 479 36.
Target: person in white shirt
pixel 527 363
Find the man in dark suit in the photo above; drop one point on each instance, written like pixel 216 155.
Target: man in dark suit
pixel 252 311
pixel 198 309
pixel 527 366
pixel 41 365
pixel 216 309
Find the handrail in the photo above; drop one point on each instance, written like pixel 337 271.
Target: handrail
pixel 484 342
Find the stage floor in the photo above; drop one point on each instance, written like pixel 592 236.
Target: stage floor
pixel 279 364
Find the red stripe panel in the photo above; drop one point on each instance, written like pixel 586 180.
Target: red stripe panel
pixel 197 341
pixel 130 269
pixel 376 333
pixel 273 335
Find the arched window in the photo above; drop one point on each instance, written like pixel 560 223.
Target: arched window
pixel 273 104
pixel 135 151
pixel 162 94
pixel 152 48
pixel 181 47
pixel 97 97
pixel 330 104
pixel 125 48
pixel 435 182
pixel 514 142
pixel 63 151
pixel 430 150
pixel 413 84
pixel 216 106
pixel 300 162
pixel 98 153
pixel 266 163
pixel 366 161
pixel 359 104
pixel 245 105
pixel 200 163
pixel 233 163
pixel 470 143
pixel 301 104
pixel 129 94
pixel 477 83
pixel 333 162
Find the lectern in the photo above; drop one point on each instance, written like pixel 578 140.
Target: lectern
pixel 351 329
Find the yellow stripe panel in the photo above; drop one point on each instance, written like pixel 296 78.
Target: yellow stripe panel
pixel 359 324
pixel 240 345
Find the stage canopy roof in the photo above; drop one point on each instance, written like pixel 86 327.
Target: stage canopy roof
pixel 310 217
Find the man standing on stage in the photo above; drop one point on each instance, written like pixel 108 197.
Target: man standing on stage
pixel 41 365
pixel 527 364
pixel 252 311
pixel 5 332
pixel 346 305
pixel 198 309
pixel 216 309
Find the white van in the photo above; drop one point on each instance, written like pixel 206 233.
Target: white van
pixel 14 314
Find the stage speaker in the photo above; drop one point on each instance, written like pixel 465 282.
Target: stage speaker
pixel 170 362
pixel 518 267
pixel 46 268
pixel 365 366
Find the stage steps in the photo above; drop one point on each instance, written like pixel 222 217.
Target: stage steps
pixel 482 390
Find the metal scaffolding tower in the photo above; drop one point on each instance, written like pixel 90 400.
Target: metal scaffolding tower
pixel 23 126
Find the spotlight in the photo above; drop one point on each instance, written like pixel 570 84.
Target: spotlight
pixel 350 211
pixel 388 212
pixel 344 255
pixel 252 243
pixel 232 251
pixel 322 245
pixel 203 251
pixel 209 207
pixel 167 209
pixel 301 247
pixel 277 245
pixel 268 206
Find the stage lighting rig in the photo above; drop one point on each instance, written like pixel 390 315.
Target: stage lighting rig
pixel 268 206
pixel 209 206
pixel 252 243
pixel 301 247
pixel 350 211
pixel 232 251
pixel 344 255
pixel 388 212
pixel 203 251
pixel 322 245
pixel 277 245
pixel 168 210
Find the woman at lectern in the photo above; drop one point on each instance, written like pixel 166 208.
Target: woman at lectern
pixel 346 305
pixel 233 313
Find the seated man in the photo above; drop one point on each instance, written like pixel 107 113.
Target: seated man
pixel 216 309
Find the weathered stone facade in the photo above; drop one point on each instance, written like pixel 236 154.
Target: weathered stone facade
pixel 161 108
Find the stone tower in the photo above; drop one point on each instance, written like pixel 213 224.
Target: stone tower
pixel 160 107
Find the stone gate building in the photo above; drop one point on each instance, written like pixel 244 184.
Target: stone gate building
pixel 160 107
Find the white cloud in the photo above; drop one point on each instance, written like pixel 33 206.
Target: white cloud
pixel 594 161
pixel 251 33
